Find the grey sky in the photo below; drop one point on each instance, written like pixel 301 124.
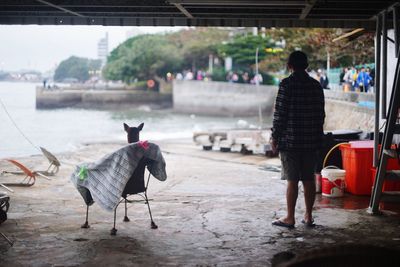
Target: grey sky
pixel 42 47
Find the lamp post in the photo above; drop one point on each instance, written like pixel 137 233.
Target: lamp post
pixel 260 120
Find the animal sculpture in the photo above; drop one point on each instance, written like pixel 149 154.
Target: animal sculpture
pixel 133 132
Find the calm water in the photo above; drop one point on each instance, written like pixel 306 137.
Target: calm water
pixel 66 129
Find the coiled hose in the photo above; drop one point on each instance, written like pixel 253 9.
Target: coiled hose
pixel 330 151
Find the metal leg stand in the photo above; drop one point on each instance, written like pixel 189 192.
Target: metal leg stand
pixel 114 230
pixel 7 239
pixel 86 224
pixel 126 219
pixel 153 224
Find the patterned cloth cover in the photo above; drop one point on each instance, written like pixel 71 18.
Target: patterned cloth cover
pixel 104 180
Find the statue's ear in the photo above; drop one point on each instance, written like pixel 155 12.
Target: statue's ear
pixel 140 127
pixel 126 127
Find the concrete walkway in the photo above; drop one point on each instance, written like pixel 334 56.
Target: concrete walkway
pixel 215 209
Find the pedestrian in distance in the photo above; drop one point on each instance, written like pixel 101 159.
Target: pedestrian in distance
pixel 341 75
pixel 363 80
pixel 355 77
pixel 323 79
pixel 297 134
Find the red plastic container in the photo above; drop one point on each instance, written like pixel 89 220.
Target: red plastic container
pixel 392 164
pixel 357 162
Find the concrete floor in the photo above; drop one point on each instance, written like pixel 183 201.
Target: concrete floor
pixel 215 209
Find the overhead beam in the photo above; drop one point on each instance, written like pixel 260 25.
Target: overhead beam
pixel 306 10
pixel 60 8
pixel 335 9
pixel 237 2
pixel 183 21
pixel 183 10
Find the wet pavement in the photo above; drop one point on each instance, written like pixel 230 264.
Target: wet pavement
pixel 215 209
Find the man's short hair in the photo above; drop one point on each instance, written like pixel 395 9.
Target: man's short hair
pixel 298 60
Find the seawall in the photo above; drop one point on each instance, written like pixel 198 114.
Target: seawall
pixel 61 98
pixel 349 110
pixel 344 110
pixel 221 98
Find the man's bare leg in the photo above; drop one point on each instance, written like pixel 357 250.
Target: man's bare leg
pixel 291 198
pixel 309 198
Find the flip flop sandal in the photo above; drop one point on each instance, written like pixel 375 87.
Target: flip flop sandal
pixel 308 224
pixel 283 224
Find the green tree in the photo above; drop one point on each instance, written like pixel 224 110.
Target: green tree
pixel 317 43
pixel 243 48
pixel 77 68
pixel 143 57
pixel 196 45
pixel 152 56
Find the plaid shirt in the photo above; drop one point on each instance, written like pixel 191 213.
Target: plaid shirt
pixel 299 113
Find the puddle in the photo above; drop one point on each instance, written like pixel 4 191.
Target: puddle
pixel 351 202
pixel 348 202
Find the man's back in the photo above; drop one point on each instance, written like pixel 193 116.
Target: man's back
pixel 297 133
pixel 299 115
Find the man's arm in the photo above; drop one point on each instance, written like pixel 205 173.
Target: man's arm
pixel 280 114
pixel 323 115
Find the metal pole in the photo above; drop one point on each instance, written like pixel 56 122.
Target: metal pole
pixel 7 239
pixel 377 86
pixel 210 63
pixel 396 13
pixel 384 64
pixel 328 62
pixel 258 91
pixel 257 82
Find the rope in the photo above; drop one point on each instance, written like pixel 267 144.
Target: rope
pixel 16 126
pixel 26 138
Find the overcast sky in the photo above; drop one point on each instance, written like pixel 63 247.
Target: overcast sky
pixel 42 47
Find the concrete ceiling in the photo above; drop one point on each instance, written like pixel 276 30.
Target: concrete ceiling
pixel 228 13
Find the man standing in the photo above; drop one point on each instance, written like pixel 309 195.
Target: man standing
pixel 297 134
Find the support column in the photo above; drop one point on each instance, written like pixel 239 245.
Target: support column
pixel 396 18
pixel 378 36
pixel 384 65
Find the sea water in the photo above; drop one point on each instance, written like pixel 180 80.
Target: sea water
pixel 23 128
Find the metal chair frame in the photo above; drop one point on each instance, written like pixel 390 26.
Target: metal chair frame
pixel 126 199
pixel 30 177
pixel 54 163
pixel 146 201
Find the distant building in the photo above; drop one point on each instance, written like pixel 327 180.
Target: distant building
pixel 102 50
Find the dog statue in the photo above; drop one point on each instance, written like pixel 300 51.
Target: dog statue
pixel 133 132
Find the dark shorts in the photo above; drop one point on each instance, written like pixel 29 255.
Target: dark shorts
pixel 298 166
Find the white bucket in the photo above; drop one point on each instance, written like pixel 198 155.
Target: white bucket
pixel 333 181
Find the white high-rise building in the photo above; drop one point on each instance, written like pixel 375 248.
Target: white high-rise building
pixel 102 50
